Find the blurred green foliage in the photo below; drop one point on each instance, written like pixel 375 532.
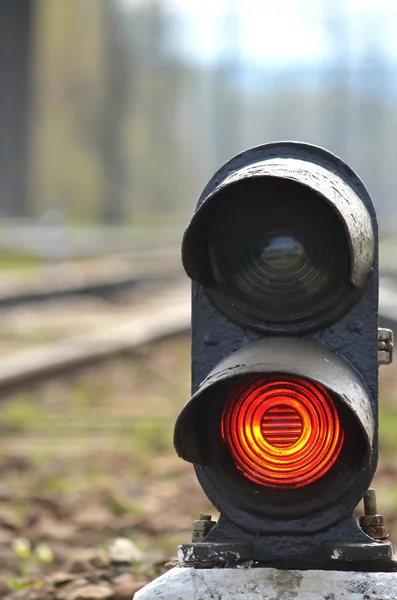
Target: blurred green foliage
pixel 107 139
pixel 387 429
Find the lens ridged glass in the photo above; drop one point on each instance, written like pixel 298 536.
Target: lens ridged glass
pixel 278 250
pixel 282 432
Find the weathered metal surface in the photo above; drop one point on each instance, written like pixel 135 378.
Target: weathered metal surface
pixel 333 189
pixel 254 508
pixel 269 584
pixel 332 555
pixel 374 526
pixel 314 168
pixel 371 523
pixel 211 555
pixel 293 356
pixel 202 527
pixel 353 337
pixel 299 539
pixel 385 346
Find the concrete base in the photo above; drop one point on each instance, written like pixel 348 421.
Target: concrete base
pixel 187 583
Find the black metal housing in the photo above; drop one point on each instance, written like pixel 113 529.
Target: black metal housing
pixel 264 169
pixel 197 439
pixel 349 341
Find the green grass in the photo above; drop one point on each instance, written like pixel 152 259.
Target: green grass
pixel 10 261
pixel 387 429
pixel 103 438
pixel 21 414
pixel 120 507
pixel 55 485
pixel 152 436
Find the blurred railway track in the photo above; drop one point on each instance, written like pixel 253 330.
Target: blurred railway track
pixel 51 238
pixel 159 309
pixel 95 277
pixel 148 302
pixel 162 310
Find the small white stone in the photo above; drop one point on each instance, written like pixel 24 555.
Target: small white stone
pixel 124 550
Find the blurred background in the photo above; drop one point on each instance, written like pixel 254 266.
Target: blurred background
pixel 115 112
pixel 113 115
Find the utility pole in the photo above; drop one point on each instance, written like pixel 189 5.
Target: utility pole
pixel 115 102
pixel 16 45
pixel 338 29
pixel 227 101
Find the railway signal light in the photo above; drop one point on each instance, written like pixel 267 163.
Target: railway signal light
pixel 282 422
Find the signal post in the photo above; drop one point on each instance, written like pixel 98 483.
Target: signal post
pixel 282 425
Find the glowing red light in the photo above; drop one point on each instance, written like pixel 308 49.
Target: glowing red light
pixel 282 433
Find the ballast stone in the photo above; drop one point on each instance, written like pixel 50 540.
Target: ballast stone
pixel 187 583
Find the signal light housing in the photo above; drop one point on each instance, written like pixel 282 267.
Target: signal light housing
pixel 207 428
pixel 282 423
pixel 280 245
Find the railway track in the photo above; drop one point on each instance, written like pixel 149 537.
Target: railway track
pixel 161 311
pixel 95 277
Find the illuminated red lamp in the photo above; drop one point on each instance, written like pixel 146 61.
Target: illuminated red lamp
pixel 282 432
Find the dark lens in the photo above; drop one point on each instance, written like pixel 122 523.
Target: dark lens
pixel 278 250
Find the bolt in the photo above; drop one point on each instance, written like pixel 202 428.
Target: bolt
pixel 202 527
pixel 370 507
pixel 385 346
pixel 371 523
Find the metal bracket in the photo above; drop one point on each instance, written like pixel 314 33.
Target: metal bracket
pixel 216 554
pixel 374 557
pixel 385 346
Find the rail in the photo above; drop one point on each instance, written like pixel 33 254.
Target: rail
pixel 97 277
pixel 164 315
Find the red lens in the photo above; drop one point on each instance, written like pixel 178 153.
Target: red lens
pixel 282 433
